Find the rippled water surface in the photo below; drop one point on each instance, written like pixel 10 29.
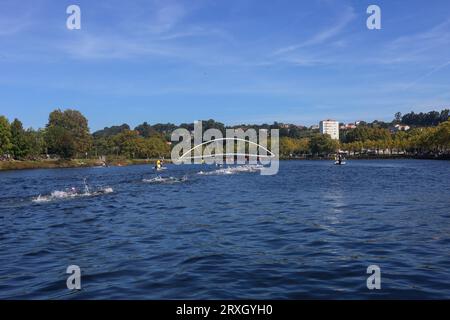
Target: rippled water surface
pixel 309 232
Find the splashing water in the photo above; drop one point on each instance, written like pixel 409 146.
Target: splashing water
pixel 71 193
pixel 233 170
pixel 86 187
pixel 159 179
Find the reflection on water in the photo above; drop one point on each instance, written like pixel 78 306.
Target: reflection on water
pixel 308 232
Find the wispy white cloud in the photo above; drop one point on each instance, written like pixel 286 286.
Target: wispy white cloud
pixel 437 35
pixel 10 27
pixel 167 17
pixel 15 21
pixel 422 46
pixel 426 75
pixel 91 46
pixel 345 16
pixel 150 35
pixel 197 32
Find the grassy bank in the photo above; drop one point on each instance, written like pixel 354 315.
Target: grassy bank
pixel 48 164
pixel 73 163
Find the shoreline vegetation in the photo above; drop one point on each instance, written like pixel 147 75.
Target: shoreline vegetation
pixel 70 163
pixel 66 141
pixel 93 163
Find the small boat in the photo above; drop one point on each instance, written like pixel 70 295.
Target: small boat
pixel 339 159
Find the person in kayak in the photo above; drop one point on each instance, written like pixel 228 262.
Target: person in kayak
pixel 158 165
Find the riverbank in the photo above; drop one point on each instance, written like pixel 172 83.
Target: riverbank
pixel 85 163
pixel 72 163
pixel 375 157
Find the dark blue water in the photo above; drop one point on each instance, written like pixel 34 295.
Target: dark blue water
pixel 309 232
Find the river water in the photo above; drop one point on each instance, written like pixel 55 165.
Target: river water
pixel 198 232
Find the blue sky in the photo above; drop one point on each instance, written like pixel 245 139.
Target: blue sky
pixel 237 61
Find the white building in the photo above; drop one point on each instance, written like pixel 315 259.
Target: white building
pixel 330 127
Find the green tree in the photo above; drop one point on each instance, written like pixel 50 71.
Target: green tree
pixel 67 133
pixel 353 147
pixel 104 146
pixel 291 146
pixel 35 142
pixel 146 130
pixel 155 147
pixel 110 131
pixel 303 146
pixel 128 143
pixel 442 136
pixel 20 148
pixel 287 146
pixel 323 144
pixel 5 136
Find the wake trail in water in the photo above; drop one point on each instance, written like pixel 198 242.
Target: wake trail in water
pixel 71 193
pixel 63 195
pixel 233 170
pixel 168 180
